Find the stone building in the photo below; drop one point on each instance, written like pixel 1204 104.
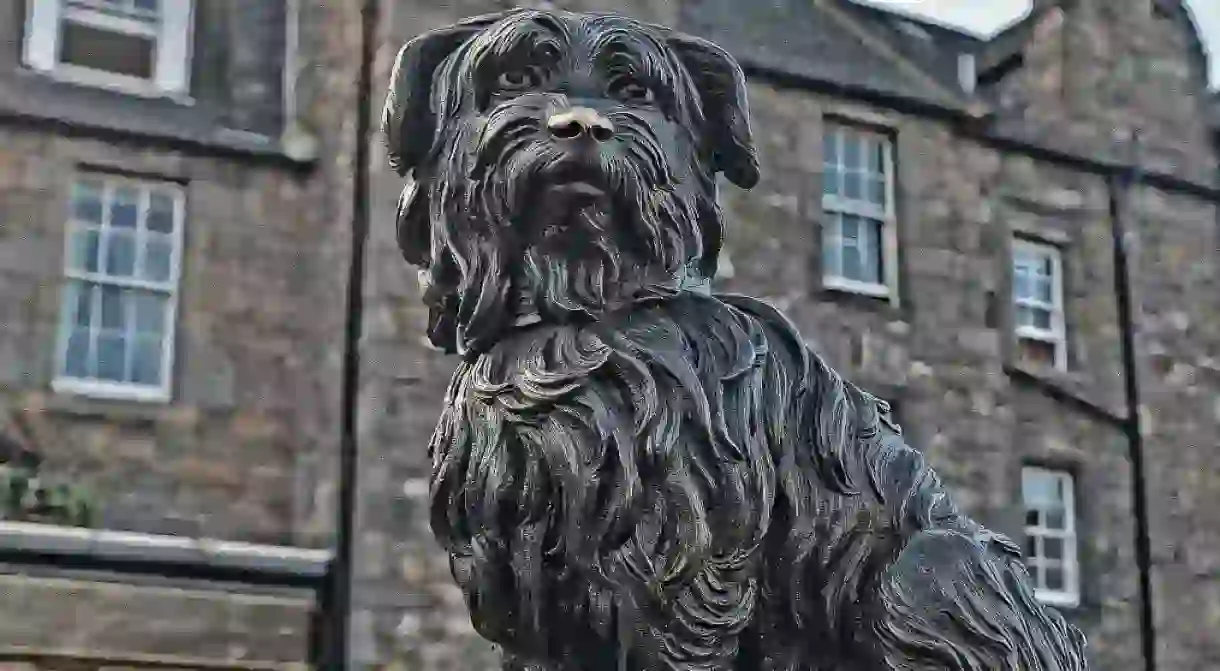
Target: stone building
pixel 936 214
pixel 173 254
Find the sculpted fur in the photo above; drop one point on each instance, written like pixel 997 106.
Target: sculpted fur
pixel 630 473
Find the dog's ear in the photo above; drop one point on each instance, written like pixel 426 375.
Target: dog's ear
pixel 409 123
pixel 407 120
pixel 722 88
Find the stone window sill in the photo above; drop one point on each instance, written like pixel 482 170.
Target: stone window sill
pixel 883 303
pixel 107 409
pixel 1065 386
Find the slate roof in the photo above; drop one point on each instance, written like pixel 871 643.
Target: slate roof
pixel 811 39
pixel 932 46
pixel 858 46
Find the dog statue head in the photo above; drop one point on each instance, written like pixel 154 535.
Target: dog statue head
pixel 560 165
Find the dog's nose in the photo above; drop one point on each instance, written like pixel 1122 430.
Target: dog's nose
pixel 580 122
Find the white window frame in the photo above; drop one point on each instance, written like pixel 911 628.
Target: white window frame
pixel 833 204
pixel 171 288
pixel 173 36
pixel 1056 335
pixel 1070 594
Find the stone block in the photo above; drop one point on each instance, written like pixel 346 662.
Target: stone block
pixel 65 613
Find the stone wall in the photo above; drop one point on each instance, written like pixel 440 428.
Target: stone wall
pixel 98 618
pixel 1178 240
pixel 408 608
pixel 1102 69
pixel 222 458
pixel 245 449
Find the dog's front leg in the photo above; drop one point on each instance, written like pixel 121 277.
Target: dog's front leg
pixel 959 599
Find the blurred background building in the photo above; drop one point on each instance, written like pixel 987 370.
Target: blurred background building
pixel 179 185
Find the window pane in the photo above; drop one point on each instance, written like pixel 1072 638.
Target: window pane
pixel 76 358
pixel 1045 266
pixel 1031 546
pixel 160 213
pixel 111 356
pixel 1055 518
pixel 1021 284
pixel 1031 518
pixel 1053 577
pixel 852 265
pixel 83 250
pixel 124 207
pixel 849 228
pixel 853 158
pixel 876 156
pixel 830 147
pixel 107 50
pixel 149 313
pixel 1026 258
pixel 113 313
pixel 831 246
pixel 1045 291
pixel 146 10
pixel 146 361
pixel 157 252
pixel 830 180
pixel 1052 548
pixel 80 302
pixel 87 202
pixel 1038 488
pixel 113 333
pixel 876 191
pixel 120 254
pixel 1041 318
pixel 870 250
pixel 853 185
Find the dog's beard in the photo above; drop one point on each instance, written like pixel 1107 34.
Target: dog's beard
pixel 527 239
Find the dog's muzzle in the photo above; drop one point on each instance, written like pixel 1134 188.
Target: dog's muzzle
pixel 577 178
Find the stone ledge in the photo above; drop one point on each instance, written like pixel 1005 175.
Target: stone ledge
pixel 19 538
pixel 35 658
pixel 108 620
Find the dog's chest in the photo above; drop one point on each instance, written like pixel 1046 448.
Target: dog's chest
pixel 694 347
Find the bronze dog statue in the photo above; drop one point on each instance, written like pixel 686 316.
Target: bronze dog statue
pixel 629 472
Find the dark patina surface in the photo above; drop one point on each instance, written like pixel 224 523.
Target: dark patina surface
pixel 630 472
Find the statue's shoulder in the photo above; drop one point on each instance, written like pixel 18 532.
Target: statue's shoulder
pixel 757 308
pixel 781 332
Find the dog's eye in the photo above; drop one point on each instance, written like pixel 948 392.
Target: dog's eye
pixel 520 80
pixel 632 91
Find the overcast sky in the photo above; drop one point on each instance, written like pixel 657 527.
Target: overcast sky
pixel 987 16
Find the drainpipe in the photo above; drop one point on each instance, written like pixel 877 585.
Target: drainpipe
pixel 292 43
pixel 1122 189
pixel 295 139
pixel 340 596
